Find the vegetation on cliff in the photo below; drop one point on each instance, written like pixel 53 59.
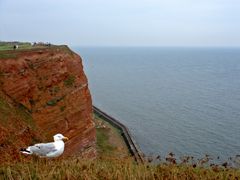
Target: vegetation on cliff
pixel 112 163
pixel 109 168
pixel 17 128
pixel 110 143
pixel 27 105
pixel 46 85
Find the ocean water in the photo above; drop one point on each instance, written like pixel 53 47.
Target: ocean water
pixel 181 100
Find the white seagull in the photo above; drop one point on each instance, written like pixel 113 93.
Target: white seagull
pixel 52 149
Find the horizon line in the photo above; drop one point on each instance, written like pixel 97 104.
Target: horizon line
pixel 156 46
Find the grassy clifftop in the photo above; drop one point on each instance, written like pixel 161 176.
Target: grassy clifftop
pixel 109 168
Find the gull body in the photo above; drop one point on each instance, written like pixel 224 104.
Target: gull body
pixel 50 150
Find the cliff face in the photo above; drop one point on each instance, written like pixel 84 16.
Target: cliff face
pixel 51 86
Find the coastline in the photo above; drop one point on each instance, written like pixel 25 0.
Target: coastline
pixel 114 142
pixel 129 140
pixel 109 142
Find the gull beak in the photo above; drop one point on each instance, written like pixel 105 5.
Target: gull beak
pixel 65 138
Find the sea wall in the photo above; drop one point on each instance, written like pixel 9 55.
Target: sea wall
pixel 132 145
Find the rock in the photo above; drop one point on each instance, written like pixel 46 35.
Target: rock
pixel 52 86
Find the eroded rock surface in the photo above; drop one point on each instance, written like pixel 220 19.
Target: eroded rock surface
pixel 51 85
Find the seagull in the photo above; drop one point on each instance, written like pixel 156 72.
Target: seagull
pixel 49 150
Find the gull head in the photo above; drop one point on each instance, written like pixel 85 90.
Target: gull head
pixel 59 137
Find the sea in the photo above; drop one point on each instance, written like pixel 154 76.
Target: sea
pixel 184 100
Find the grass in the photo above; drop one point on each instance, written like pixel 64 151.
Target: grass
pixel 62 108
pixel 69 82
pixel 8 56
pixel 55 89
pixel 103 145
pixel 6 47
pixel 16 128
pixel 108 168
pixel 25 115
pixel 7 113
pixel 109 139
pixel 54 101
pixel 9 46
pixel 7 51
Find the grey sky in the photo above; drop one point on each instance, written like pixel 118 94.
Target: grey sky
pixel 122 22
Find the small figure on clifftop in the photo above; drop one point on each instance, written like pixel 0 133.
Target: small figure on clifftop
pixel 15 47
pixel 53 149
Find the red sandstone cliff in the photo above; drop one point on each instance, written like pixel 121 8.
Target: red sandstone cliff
pixel 51 87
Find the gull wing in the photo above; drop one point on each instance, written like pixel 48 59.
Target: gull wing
pixel 43 149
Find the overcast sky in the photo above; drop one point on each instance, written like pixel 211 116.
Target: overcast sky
pixel 122 22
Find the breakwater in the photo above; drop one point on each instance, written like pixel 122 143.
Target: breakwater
pixel 133 147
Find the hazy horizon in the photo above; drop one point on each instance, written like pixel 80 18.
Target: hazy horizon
pixel 144 23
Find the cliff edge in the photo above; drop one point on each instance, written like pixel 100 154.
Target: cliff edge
pixel 47 85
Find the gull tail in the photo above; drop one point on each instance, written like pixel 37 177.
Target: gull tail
pixel 25 151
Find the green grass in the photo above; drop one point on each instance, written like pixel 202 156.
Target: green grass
pixel 25 115
pixel 69 82
pixel 52 102
pixel 7 56
pixel 103 146
pixel 21 112
pixel 108 168
pixel 62 108
pixel 7 51
pixel 9 46
pixel 5 111
pixel 6 47
pixel 55 89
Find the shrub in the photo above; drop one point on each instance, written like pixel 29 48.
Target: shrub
pixel 62 108
pixel 69 82
pixel 32 102
pixel 52 102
